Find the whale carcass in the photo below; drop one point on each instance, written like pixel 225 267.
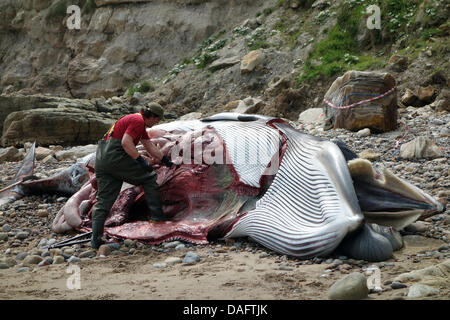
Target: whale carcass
pixel 254 176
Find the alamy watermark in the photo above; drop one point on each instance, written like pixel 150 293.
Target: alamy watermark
pixel 74 281
pixel 374 20
pixel 74 20
pixel 205 148
pixel 374 278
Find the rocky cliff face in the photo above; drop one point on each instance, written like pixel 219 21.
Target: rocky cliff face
pixel 118 43
pixel 200 57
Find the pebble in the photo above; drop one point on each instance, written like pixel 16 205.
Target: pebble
pixel 173 260
pixel 6 228
pixel 42 243
pixel 9 261
pixel 3 266
pixel 89 253
pixel 335 263
pixel 129 242
pixel 3 236
pixel 181 246
pixel 61 199
pixel 65 256
pixel 363 133
pixel 55 252
pixel 58 259
pixel 23 269
pixel 42 213
pixel 69 251
pixel 351 287
pixel 446 220
pixel 172 244
pixel 46 253
pixel 190 258
pixel 159 265
pixel 73 259
pixel 32 259
pixel 318 260
pixel 22 235
pixel 46 262
pixel 421 290
pixel 285 268
pixel 114 246
pixel 21 255
pixel 51 241
pixel 104 251
pixel 398 285
pixel 344 268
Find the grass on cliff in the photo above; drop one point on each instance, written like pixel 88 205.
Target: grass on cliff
pixel 142 87
pixel 336 53
pixel 89 7
pixel 339 52
pixel 56 11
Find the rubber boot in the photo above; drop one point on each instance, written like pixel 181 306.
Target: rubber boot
pixel 157 213
pixel 97 234
pixel 154 202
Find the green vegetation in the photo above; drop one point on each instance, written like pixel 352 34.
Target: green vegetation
pixel 89 7
pixel 267 11
pixel 56 11
pixel 142 87
pixel 289 32
pixel 339 52
pixel 436 13
pixel 398 16
pixel 322 16
pixel 206 53
pixel 258 40
pixel 203 59
pixel 332 55
pixel 431 32
pixel 302 3
pixel 306 3
pixel 241 31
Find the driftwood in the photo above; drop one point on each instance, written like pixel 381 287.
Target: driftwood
pixel 379 115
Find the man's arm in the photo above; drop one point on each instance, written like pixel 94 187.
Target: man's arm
pixel 152 149
pixel 129 147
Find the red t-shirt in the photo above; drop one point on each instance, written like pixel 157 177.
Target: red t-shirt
pixel 133 124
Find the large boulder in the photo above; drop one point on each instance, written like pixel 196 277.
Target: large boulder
pixel 10 154
pixel 75 153
pixel 252 61
pixel 19 102
pixel 64 125
pixel 379 115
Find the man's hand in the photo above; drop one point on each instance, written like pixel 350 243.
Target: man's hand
pixel 166 161
pixel 144 164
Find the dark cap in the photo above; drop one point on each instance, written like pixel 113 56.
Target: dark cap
pixel 156 109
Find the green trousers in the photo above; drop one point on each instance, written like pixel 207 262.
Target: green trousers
pixel 113 166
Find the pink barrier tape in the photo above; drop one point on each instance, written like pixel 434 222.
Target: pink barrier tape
pixel 359 102
pixel 405 133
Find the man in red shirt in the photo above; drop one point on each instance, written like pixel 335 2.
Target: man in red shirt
pixel 118 160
